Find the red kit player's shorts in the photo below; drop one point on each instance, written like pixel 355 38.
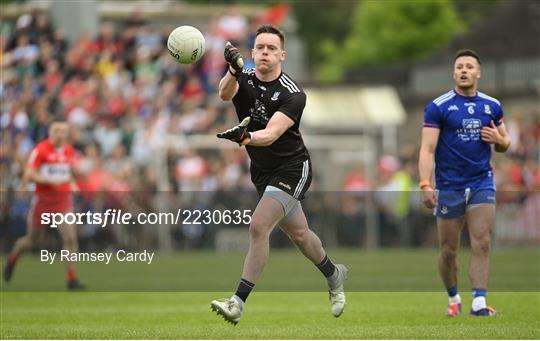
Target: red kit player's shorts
pixel 49 202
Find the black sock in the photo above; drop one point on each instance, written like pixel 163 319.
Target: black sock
pixel 244 289
pixel 327 267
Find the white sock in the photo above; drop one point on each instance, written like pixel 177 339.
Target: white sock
pixel 239 300
pixel 454 299
pixel 478 303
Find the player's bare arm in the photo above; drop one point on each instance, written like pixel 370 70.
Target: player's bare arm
pixel 31 175
pixel 498 136
pixel 430 138
pixel 228 86
pixel 278 124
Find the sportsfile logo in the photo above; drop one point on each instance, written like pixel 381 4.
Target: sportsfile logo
pixel 120 217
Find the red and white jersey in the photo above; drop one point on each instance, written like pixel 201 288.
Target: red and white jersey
pixel 52 163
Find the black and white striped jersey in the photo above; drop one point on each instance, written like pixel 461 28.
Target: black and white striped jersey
pixel 261 100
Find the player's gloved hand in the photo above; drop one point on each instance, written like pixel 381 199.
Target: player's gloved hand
pixel 238 134
pixel 233 57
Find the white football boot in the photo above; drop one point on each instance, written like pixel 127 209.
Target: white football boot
pixel 337 294
pixel 228 308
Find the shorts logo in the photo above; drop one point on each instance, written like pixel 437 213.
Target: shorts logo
pixel 444 210
pixel 285 185
pixel 275 96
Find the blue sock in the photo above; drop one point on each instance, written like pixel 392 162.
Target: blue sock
pixel 477 292
pixel 452 291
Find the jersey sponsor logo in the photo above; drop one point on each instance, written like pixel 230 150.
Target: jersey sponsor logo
pixel 258 114
pixel 453 107
pixel 59 172
pixel 471 123
pixel 471 129
pixel 275 96
pixel 284 185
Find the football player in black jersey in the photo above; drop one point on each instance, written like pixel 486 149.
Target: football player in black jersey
pixel 269 105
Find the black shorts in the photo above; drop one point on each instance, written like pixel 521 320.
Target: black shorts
pixel 293 179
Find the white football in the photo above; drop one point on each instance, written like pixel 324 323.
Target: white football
pixel 186 44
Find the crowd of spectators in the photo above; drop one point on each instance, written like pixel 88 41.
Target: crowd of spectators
pixel 122 93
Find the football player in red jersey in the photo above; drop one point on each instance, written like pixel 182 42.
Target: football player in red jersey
pixel 50 168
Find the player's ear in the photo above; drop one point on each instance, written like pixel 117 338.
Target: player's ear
pixel 283 55
pixel 253 53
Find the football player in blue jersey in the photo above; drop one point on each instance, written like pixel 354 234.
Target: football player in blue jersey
pixel 459 128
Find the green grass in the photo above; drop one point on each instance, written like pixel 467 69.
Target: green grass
pixel 291 315
pixel 392 294
pixel 287 270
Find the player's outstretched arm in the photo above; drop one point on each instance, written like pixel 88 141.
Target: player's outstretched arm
pixel 278 124
pixel 228 86
pixel 239 133
pixel 430 138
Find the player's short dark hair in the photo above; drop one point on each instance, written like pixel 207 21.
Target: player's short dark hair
pixel 469 53
pixel 273 30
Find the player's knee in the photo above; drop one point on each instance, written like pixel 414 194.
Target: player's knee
pixel 299 236
pixel 448 254
pixel 481 246
pixel 258 229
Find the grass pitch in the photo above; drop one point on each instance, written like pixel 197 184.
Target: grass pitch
pixel 290 315
pixel 389 297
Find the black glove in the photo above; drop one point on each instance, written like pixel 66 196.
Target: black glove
pixel 233 57
pixel 238 134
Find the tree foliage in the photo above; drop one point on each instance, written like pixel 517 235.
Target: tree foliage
pixel 389 31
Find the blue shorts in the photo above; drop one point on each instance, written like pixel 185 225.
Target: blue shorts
pixel 455 203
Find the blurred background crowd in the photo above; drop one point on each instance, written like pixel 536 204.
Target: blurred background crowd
pixel 123 95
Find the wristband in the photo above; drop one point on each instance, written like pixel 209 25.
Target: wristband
pixel 247 139
pixel 235 75
pixel 424 183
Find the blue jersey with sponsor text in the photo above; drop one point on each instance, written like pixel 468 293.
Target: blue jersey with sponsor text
pixel 462 159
